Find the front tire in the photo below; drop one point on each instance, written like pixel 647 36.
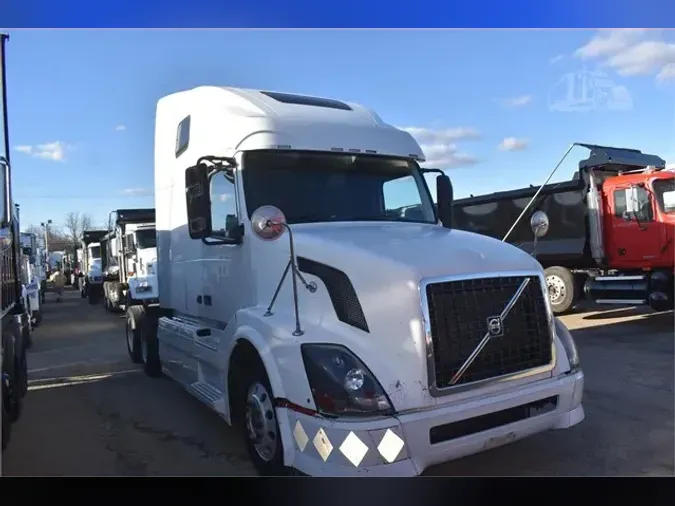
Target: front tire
pixel 6 423
pixel 258 421
pixel 93 297
pixel 562 290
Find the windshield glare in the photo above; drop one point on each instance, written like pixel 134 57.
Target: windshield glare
pixel 146 238
pixel 665 194
pixel 318 187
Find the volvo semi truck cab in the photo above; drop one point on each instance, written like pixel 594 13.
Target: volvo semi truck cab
pixel 298 302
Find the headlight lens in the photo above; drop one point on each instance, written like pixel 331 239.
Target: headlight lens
pixel 568 343
pixel 341 384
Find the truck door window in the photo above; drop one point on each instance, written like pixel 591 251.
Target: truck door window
pixel 224 217
pixel 664 189
pixel 634 202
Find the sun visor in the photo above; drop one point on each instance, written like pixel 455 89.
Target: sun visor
pixel 619 159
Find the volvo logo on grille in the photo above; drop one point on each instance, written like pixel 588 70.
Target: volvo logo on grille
pixel 495 327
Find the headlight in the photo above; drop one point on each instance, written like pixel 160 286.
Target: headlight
pixel 341 384
pixel 568 343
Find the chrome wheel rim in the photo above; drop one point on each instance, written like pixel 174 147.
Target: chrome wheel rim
pixel 261 422
pixel 556 288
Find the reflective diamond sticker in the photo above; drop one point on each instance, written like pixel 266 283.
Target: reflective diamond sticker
pixel 300 436
pixel 390 446
pixel 322 444
pixel 354 449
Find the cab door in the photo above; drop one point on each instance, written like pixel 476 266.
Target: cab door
pixel 634 238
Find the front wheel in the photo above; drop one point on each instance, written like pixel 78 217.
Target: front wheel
pixel 259 424
pixel 133 334
pixel 6 423
pixel 93 296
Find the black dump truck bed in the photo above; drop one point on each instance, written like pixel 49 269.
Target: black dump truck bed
pixel 89 236
pixel 565 203
pixel 128 216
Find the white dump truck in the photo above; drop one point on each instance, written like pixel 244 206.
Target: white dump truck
pixel 91 275
pixel 302 305
pixel 32 273
pixel 131 255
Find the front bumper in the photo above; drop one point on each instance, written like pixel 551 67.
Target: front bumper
pixel 400 446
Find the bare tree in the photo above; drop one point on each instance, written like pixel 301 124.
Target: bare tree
pixel 75 223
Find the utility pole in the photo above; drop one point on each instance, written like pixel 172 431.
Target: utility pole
pixel 46 227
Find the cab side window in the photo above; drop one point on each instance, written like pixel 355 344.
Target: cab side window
pixel 635 202
pixel 224 216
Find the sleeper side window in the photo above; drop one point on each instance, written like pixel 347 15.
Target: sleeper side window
pixel 183 136
pixel 224 216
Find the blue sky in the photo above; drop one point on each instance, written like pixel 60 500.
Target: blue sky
pixel 487 105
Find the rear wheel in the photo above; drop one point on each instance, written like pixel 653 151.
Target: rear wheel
pixel 6 423
pixel 561 289
pixel 150 345
pixel 133 333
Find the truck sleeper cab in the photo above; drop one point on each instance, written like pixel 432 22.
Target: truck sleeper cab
pixel 295 302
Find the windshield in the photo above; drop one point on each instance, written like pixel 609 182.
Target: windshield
pixel 317 187
pixel 95 251
pixel 665 194
pixel 146 238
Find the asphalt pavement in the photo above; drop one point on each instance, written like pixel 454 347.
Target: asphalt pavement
pixel 90 412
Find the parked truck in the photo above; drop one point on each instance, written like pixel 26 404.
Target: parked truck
pixel 91 275
pixel 15 324
pixel 340 337
pixel 611 230
pixel 33 273
pixel 131 257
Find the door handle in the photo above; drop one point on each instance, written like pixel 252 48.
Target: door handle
pixel 199 299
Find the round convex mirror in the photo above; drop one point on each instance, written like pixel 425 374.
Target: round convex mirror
pixel 539 224
pixel 268 223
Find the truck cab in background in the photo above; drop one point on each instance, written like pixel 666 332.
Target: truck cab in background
pixel 33 273
pixel 342 338
pixel 611 229
pixel 91 277
pixel 131 257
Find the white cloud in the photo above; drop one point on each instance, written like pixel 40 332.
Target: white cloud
pixel 556 59
pixel 513 144
pixel 631 52
pixel 137 192
pixel 667 73
pixel 440 148
pixel 518 101
pixel 55 151
pixel 120 128
pixel 608 42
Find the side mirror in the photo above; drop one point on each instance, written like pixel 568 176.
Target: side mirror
pixel 198 200
pixel 626 216
pixel 444 200
pixel 539 223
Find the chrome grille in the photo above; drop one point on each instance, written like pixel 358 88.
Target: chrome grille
pixel 459 316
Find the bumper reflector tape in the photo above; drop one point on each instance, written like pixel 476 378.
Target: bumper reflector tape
pixel 354 449
pixel 300 436
pixel 390 446
pixel 322 444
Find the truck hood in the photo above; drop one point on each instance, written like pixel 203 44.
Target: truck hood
pixel 422 250
pixel 385 263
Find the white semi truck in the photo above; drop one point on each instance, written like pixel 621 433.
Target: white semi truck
pixel 131 255
pixel 33 274
pixel 298 302
pixel 91 275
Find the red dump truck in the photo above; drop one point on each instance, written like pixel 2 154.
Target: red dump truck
pixel 611 229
